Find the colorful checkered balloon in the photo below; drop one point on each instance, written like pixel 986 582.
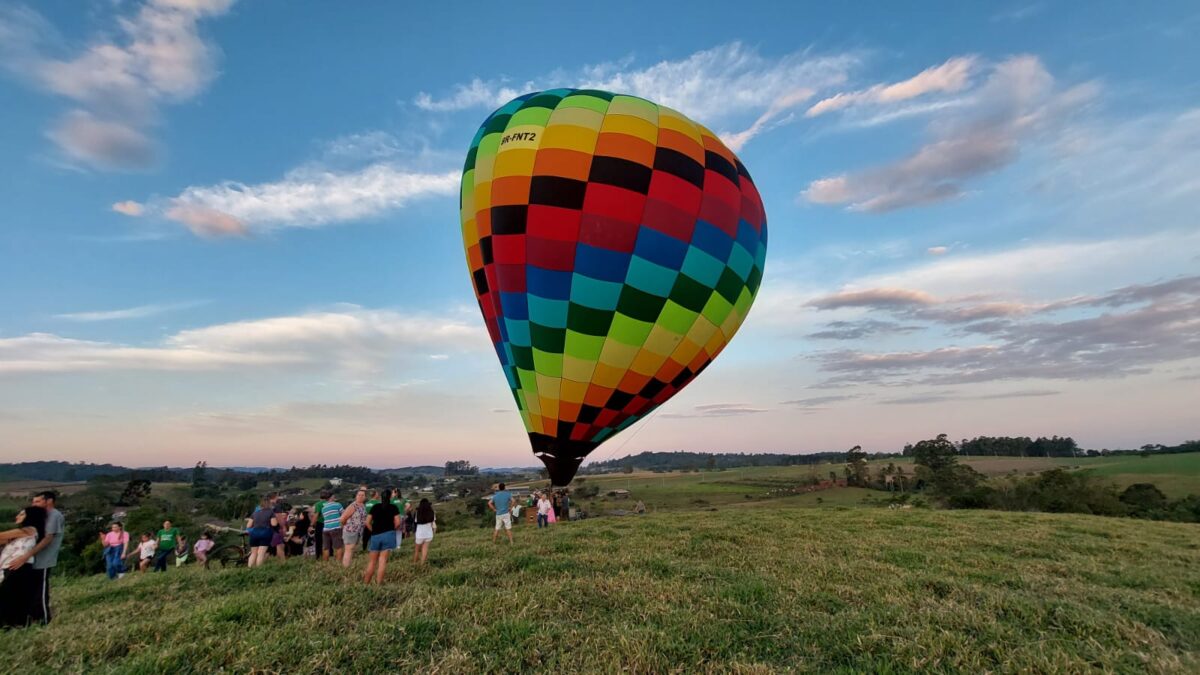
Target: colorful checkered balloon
pixel 615 248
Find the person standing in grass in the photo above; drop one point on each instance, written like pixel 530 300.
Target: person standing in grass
pixel 544 507
pixel 331 537
pixel 367 533
pixel 116 547
pixel 426 526
pixel 262 525
pixel 402 507
pixel 181 551
pixel 300 529
pixel 384 519
pixel 353 520
pixel 501 504
pixel 20 582
pixel 145 551
pixel 167 537
pixel 318 511
pixel 203 545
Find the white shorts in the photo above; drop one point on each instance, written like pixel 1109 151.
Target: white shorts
pixel 504 519
pixel 424 533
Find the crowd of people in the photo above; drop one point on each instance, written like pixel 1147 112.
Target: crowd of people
pixel 373 522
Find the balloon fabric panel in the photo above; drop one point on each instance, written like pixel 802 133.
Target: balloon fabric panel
pixel 615 247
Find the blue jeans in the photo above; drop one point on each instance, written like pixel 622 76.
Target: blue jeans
pixel 543 520
pixel 384 541
pixel 113 565
pixel 160 560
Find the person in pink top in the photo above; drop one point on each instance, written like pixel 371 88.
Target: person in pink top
pixel 116 546
pixel 203 545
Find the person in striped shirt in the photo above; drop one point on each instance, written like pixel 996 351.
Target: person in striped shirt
pixel 331 537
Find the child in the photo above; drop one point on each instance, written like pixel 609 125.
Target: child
pixel 181 550
pixel 145 551
pixel 203 545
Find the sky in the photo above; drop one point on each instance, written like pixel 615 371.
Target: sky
pixel 230 229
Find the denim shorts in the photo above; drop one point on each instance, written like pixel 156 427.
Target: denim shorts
pixel 384 541
pixel 260 536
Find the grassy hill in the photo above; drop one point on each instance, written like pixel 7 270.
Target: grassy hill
pixel 752 587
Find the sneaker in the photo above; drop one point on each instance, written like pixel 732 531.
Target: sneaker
pixel 121 575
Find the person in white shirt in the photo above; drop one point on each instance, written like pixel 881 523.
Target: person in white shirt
pixel 544 507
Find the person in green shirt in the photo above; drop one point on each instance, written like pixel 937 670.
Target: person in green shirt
pixel 319 520
pixel 167 538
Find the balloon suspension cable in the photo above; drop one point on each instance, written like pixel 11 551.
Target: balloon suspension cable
pixel 637 431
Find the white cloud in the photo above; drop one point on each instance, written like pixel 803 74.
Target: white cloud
pixel 156 55
pixel 1018 102
pixel 937 250
pixel 307 197
pixel 103 144
pixel 711 86
pixel 129 208
pixel 354 339
pixel 952 76
pixel 139 312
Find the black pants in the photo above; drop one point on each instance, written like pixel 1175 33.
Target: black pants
pixel 318 529
pixel 41 605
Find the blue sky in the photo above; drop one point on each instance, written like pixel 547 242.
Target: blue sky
pixel 230 229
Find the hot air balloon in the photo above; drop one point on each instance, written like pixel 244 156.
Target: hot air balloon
pixel 615 247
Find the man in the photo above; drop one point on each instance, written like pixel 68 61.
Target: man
pixel 501 503
pixel 45 552
pixel 403 507
pixel 331 537
pixel 167 539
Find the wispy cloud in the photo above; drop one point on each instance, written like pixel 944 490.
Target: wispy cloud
pixel 717 410
pixel 952 76
pixel 1141 327
pixel 352 339
pixel 139 312
pixel 129 208
pixel 154 56
pixel 1019 101
pixel 306 197
pixel 713 86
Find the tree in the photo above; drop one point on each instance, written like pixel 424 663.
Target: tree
pixel 461 467
pixel 935 455
pixel 857 472
pixel 711 464
pixel 1143 499
pixel 135 491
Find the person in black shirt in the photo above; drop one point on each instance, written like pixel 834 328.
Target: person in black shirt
pixel 383 518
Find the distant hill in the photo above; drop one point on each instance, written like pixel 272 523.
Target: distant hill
pixel 58 472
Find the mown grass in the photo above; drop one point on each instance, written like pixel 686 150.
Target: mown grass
pixel 766 586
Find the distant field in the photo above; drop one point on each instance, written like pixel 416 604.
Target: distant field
pixel 754 588
pixel 23 488
pixel 1176 475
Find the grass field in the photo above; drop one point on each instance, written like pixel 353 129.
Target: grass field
pixel 758 587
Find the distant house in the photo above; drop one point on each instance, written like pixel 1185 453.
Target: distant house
pixel 619 494
pixel 335 482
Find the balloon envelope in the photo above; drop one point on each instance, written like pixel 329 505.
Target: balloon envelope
pixel 615 247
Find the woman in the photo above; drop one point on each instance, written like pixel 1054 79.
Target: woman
pixel 384 518
pixel 544 508
pixel 20 589
pixel 354 518
pixel 426 526
pixel 116 547
pixel 203 545
pixel 262 525
pixel 299 533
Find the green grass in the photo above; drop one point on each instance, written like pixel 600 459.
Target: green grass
pixel 767 585
pixel 1176 475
